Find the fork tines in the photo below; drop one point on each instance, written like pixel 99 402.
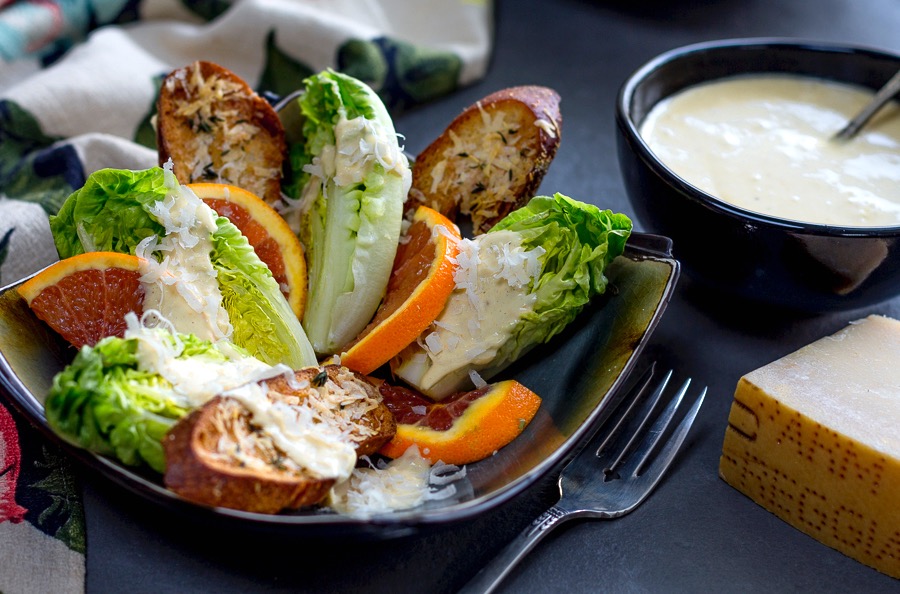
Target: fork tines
pixel 628 448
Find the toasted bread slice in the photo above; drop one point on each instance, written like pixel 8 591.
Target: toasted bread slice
pixel 359 409
pixel 218 456
pixel 216 128
pixel 491 158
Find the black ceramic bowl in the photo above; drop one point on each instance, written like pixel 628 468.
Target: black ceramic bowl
pixel 801 266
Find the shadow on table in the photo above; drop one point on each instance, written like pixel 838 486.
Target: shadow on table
pixel 210 558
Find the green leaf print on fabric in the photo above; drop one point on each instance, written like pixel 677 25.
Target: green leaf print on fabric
pixel 282 73
pixel 4 247
pixel 63 517
pixel 365 61
pixel 46 489
pixel 145 134
pixel 31 167
pixel 207 10
pixel 20 133
pixel 402 73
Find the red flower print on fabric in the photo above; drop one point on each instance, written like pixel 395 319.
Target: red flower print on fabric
pixel 10 463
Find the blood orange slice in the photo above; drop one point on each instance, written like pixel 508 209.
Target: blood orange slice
pixel 85 297
pixel 420 283
pixel 268 233
pixel 463 428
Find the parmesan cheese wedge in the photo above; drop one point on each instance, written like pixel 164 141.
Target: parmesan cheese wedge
pixel 815 439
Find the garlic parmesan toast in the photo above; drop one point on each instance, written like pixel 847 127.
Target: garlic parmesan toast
pixel 224 455
pixel 216 128
pixel 491 159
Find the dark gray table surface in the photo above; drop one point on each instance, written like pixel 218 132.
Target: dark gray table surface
pixel 695 533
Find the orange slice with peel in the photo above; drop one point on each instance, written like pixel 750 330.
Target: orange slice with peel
pixel 267 231
pixel 420 283
pixel 85 298
pixel 463 428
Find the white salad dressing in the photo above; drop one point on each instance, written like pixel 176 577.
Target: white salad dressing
pixel 300 430
pixel 361 141
pixel 320 448
pixel 197 379
pixel 183 285
pixel 763 142
pixel 484 308
pixel 359 144
pixel 403 483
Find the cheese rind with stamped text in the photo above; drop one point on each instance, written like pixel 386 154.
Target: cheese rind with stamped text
pixel 813 438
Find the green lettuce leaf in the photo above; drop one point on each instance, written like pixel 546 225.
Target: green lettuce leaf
pixel 263 320
pixel 575 242
pixel 352 214
pixel 113 212
pixel 580 241
pixel 109 212
pixel 105 403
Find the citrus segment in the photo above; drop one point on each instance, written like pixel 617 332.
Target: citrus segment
pixel 420 283
pixel 267 231
pixel 464 428
pixel 85 298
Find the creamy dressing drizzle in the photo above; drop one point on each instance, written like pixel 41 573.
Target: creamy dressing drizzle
pixel 298 430
pixel 360 143
pixel 764 143
pixel 198 379
pixel 484 308
pixel 320 448
pixel 183 285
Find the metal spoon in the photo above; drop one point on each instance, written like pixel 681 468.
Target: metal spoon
pixel 885 94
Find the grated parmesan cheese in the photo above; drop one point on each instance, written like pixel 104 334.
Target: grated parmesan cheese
pixel 404 483
pixel 478 172
pixel 479 316
pixel 177 274
pixel 433 343
pixel 198 379
pixel 547 126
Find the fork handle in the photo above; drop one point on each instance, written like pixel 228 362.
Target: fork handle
pixel 492 574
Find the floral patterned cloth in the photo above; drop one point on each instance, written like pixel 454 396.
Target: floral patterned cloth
pixel 78 86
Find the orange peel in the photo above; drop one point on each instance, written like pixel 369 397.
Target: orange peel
pixel 420 283
pixel 475 425
pixel 85 298
pixel 267 231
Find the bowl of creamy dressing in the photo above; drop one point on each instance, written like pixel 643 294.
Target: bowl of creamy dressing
pixel 727 148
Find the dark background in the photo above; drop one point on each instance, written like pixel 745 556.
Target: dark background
pixel 695 533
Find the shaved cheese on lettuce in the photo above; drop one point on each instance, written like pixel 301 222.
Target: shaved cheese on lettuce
pixel 517 286
pixel 106 403
pixel 144 213
pixel 351 178
pixel 121 396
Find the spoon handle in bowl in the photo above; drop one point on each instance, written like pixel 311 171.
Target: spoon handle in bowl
pixel 884 94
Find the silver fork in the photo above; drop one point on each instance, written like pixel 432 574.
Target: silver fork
pixel 611 475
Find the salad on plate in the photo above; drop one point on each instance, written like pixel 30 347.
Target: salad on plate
pixel 205 374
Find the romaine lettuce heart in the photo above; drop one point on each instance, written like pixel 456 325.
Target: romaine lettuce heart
pixel 104 402
pixel 262 320
pixel 573 243
pixel 109 212
pixel 351 179
pixel 116 210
